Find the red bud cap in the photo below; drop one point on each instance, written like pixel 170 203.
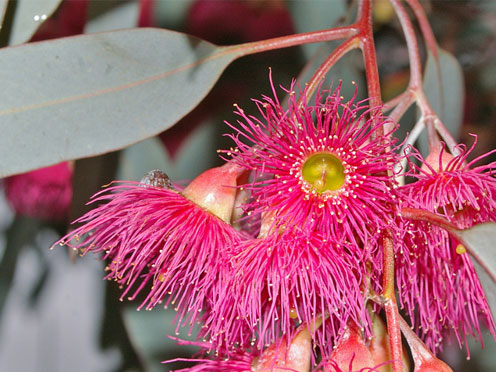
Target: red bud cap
pixel 353 353
pixel 215 190
pixel 437 160
pixel 279 357
pixel 424 360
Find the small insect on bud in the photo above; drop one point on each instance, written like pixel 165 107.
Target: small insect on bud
pixel 157 178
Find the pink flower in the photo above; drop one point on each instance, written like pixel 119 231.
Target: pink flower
pixel 463 193
pixel 162 240
pixel 436 278
pixel 45 193
pixel 282 280
pixel 319 167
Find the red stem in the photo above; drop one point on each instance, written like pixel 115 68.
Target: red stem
pixel 412 45
pixel 294 40
pixel 366 36
pixel 390 305
pixel 426 216
pixel 337 54
pixel 415 83
pixel 424 26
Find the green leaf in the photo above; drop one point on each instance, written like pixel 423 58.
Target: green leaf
pixel 20 233
pixel 197 153
pixel 480 243
pixel 87 95
pixel 111 15
pixel 3 8
pixel 319 15
pixel 114 333
pixel 149 333
pixel 445 92
pixel 28 17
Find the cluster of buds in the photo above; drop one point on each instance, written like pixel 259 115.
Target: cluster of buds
pixel 278 253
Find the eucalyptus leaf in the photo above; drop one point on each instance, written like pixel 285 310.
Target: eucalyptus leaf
pixel 28 17
pixel 87 95
pixel 480 242
pixel 3 8
pixel 20 233
pixel 150 334
pixel 114 333
pixel 196 154
pixel 319 15
pixel 120 15
pixel 445 93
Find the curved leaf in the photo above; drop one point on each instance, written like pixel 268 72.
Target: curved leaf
pixel 3 8
pixel 28 17
pixel 446 93
pixel 87 95
pixel 108 16
pixel 480 243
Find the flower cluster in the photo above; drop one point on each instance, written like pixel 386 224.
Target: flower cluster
pixel 285 238
pixel 436 278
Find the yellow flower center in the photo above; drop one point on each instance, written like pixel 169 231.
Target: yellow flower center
pixel 323 171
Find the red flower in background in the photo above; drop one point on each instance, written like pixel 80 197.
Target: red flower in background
pixel 45 193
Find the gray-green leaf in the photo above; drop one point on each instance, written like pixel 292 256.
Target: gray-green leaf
pixel 87 95
pixel 28 17
pixel 3 8
pixel 480 242
pixel 445 92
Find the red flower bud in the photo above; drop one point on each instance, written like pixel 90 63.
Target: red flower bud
pixel 424 360
pixel 215 190
pixel 353 353
pixel 280 357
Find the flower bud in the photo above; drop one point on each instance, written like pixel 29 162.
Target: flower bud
pixel 280 357
pixel 437 161
pixel 424 360
pixel 215 190
pixel 353 353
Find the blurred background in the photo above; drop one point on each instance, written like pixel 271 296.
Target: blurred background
pixel 56 312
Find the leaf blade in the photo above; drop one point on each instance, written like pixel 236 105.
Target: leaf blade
pixel 445 91
pixel 3 9
pixel 136 82
pixel 479 241
pixel 28 17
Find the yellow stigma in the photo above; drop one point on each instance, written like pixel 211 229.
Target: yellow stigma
pixel 324 172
